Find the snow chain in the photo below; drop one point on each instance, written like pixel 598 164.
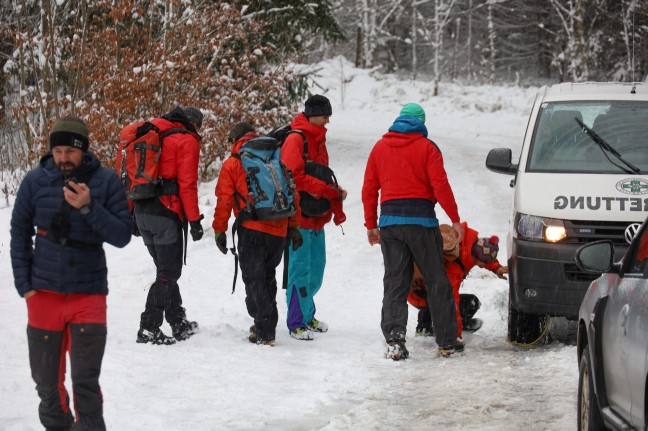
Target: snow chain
pixel 538 341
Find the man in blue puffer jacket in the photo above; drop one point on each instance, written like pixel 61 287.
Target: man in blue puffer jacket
pixel 76 205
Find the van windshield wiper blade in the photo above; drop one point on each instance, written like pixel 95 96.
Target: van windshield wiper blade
pixel 605 146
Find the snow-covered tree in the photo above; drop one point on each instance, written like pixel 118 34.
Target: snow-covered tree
pixel 113 63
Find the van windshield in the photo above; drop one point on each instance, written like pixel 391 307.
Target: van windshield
pixel 559 143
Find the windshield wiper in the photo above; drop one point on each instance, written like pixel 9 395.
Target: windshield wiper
pixel 605 146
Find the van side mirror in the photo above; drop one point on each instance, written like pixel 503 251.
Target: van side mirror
pixel 499 161
pixel 595 257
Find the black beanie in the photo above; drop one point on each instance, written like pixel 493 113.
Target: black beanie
pixel 317 106
pixel 70 131
pixel 238 131
pixel 194 115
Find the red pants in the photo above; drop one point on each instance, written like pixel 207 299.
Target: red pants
pixel 74 324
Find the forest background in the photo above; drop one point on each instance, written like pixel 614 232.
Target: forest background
pixel 113 62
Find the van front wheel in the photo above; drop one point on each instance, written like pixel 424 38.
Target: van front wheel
pixel 526 328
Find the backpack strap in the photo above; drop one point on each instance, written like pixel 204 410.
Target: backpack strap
pixel 173 131
pixel 461 265
pixel 236 192
pixel 299 132
pixel 243 215
pixel 169 186
pixel 286 259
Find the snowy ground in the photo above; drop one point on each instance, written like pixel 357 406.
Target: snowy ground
pixel 340 381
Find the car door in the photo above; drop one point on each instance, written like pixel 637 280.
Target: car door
pixel 636 329
pixel 624 326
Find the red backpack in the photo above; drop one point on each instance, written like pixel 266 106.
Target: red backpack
pixel 137 161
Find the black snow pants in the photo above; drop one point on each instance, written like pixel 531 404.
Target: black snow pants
pixel 259 255
pixel 401 245
pixel 162 232
pixel 47 350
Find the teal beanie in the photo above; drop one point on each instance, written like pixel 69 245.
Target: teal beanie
pixel 414 110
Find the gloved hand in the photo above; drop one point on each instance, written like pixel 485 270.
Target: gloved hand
pixel 338 214
pixel 331 193
pixel 295 237
pixel 196 229
pixel 221 241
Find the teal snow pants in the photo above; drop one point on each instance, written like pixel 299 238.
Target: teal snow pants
pixel 305 276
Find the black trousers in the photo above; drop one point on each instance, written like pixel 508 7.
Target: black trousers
pixel 163 301
pixel 163 236
pixel 259 256
pixel 401 245
pixel 47 357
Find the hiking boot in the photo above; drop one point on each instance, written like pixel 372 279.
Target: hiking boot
pixel 396 350
pixel 265 343
pixel 253 335
pixel 154 337
pixel 456 347
pixel 302 333
pixel 317 326
pixel 184 329
pixel 424 331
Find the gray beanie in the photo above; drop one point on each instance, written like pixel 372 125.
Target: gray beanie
pixel 194 115
pixel 70 131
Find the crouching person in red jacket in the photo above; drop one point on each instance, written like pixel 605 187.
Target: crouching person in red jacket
pixel 459 259
pixel 260 243
pixel 76 205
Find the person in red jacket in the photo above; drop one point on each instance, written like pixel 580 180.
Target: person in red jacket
pixel 260 243
pixel 162 222
pixel 406 168
pixel 306 265
pixel 459 259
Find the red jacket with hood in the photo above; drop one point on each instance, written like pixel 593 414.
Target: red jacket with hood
pixel 179 160
pixel 292 154
pixel 405 166
pixel 232 186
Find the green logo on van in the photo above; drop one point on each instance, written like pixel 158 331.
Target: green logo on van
pixel 633 186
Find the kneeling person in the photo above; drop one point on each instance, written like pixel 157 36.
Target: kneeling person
pixel 459 259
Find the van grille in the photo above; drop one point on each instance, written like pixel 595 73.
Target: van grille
pixel 579 231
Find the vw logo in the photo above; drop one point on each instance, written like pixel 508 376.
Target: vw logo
pixel 631 232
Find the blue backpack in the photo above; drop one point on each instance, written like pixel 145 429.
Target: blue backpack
pixel 271 187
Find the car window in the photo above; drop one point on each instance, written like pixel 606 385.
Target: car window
pixel 638 255
pixel 559 143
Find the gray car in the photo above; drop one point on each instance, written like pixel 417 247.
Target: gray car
pixel 613 337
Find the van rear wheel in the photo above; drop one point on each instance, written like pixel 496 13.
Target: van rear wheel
pixel 525 328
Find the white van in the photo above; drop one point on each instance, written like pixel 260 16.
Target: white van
pixel 582 176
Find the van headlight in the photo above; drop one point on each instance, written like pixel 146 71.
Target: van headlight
pixel 540 228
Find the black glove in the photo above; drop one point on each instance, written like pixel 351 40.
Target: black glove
pixel 295 237
pixel 221 241
pixel 136 231
pixel 196 229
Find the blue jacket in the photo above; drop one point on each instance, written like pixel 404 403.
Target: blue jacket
pixel 49 265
